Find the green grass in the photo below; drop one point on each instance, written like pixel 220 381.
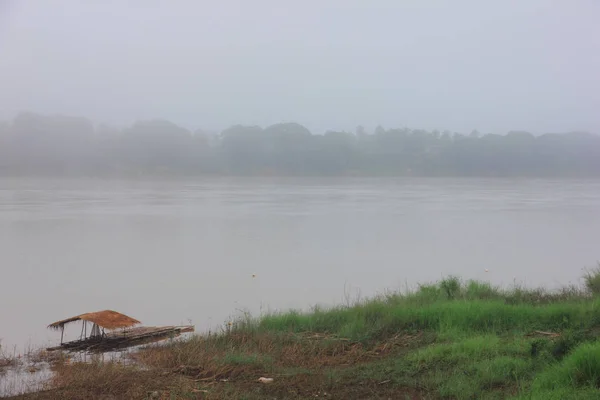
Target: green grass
pixel 579 369
pixel 577 376
pixel 592 280
pixel 476 347
pixel 242 359
pixel 379 318
pixel 482 347
pixel 446 340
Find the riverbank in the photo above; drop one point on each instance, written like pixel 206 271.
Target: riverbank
pixel 449 340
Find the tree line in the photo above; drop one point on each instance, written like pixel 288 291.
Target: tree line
pixel 60 145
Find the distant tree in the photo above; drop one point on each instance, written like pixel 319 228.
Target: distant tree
pixel 51 144
pixel 289 145
pixel 158 145
pixel 288 136
pixel 360 132
pixel 40 144
pixel 5 146
pixel 336 152
pixel 201 140
pixel 244 149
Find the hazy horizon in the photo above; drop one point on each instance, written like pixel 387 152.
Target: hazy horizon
pixel 97 125
pixel 494 67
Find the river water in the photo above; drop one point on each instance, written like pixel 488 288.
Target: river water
pixel 204 250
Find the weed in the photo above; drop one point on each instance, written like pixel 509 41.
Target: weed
pixel 451 339
pixel 581 368
pixel 451 286
pixel 592 280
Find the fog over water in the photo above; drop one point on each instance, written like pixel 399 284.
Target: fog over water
pixel 169 251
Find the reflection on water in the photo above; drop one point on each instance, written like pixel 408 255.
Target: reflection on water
pixel 33 372
pixel 24 378
pixel 171 252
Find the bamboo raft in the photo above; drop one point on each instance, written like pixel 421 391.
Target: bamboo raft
pixel 121 333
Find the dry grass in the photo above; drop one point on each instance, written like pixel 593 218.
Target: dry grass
pixel 454 340
pixel 269 351
pixel 110 380
pixel 106 319
pixel 7 361
pixel 301 365
pixel 228 367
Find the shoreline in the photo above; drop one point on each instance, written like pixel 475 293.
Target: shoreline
pixel 451 339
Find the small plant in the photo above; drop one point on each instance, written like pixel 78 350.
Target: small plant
pixel 581 368
pixel 449 339
pixel 481 290
pixel 240 359
pixel 451 286
pixel 592 280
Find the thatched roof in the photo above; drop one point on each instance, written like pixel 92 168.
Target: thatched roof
pixel 107 319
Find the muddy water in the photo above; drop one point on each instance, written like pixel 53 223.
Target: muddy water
pixel 171 252
pixel 23 378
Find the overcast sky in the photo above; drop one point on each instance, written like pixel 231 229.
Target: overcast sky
pixel 328 64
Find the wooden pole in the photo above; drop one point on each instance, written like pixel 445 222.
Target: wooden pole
pixel 62 332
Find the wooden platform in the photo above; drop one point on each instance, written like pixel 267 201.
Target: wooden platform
pixel 121 339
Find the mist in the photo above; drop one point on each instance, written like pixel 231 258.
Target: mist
pixel 462 65
pixel 40 145
pixel 429 171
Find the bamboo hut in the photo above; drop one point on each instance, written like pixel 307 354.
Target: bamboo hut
pixel 121 333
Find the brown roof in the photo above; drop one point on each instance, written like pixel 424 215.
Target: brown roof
pixel 107 319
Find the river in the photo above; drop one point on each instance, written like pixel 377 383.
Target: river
pixel 204 250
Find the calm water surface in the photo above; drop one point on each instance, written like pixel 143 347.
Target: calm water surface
pixel 170 252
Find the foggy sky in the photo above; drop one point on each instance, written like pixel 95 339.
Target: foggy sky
pixel 330 64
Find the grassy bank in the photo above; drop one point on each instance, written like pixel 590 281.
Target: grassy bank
pixel 449 340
